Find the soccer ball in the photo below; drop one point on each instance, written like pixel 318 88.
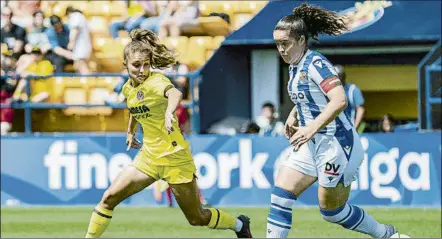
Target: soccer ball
pixel 397 235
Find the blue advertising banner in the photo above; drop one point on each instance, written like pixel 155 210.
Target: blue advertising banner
pixel 400 169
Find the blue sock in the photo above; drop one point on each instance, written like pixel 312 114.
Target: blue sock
pixel 279 220
pixel 356 219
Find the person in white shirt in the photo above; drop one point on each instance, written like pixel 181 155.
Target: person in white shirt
pixel 79 40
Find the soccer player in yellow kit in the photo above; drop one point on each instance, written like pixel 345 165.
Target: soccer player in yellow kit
pixel 152 101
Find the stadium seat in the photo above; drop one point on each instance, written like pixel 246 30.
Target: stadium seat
pixel 214 26
pixel 99 26
pixel 228 7
pixel 72 91
pixel 83 6
pixel 98 8
pixel 207 7
pixel 59 8
pixel 239 19
pixel 4 48
pixel 135 9
pixel 180 45
pixel 117 8
pixel 47 6
pixel 198 47
pixel 216 43
pixel 101 43
pixel 251 7
pixel 99 89
pixel 110 61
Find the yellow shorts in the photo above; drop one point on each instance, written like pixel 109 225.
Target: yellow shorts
pixel 172 174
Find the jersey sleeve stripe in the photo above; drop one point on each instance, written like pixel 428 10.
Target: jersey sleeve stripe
pixel 330 83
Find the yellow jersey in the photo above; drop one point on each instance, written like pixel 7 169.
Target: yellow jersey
pixel 147 103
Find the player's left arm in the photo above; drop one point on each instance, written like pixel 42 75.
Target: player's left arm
pixel 325 76
pixel 174 97
pixel 337 103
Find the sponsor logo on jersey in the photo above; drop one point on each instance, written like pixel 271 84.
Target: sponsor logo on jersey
pixel 140 112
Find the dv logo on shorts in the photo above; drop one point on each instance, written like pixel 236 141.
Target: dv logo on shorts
pixel 331 169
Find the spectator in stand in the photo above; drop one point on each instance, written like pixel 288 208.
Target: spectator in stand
pixel 268 123
pixel 7 86
pixel 58 36
pixel 35 39
pixel 147 20
pixel 39 88
pixel 387 124
pixel 79 40
pixel 153 23
pixel 36 36
pixel 8 63
pixel 355 109
pixel 179 15
pixel 23 11
pixel 12 34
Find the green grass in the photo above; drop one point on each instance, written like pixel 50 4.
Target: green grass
pixel 165 222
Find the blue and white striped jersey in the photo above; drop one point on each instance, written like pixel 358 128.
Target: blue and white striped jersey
pixel 308 86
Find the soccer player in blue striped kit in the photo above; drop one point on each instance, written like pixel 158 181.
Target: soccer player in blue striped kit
pixel 326 148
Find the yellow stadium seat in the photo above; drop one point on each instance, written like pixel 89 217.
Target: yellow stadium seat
pixel 98 8
pixel 99 89
pixel 216 43
pixel 4 48
pixel 47 6
pixel 122 42
pixel 72 91
pixel 83 6
pixel 59 8
pixel 180 45
pixel 117 8
pixel 239 19
pixel 207 7
pixel 100 43
pixel 214 26
pixel 197 48
pixel 110 61
pixel 135 9
pixel 98 26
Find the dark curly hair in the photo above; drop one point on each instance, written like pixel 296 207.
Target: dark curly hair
pixel 310 21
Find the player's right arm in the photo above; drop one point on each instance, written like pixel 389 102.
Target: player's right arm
pixel 290 122
pixel 131 141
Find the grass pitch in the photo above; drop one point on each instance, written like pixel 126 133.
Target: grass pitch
pixel 143 222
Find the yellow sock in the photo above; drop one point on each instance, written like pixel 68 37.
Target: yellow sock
pixel 99 221
pixel 221 220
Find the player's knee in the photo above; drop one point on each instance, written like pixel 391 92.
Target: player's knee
pixel 109 200
pixel 334 215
